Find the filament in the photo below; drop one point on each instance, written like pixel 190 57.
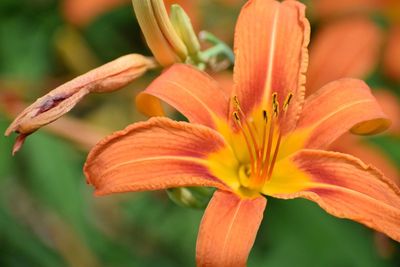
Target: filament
pixel 263 156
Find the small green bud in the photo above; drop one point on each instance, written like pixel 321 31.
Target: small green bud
pixel 183 26
pixel 191 197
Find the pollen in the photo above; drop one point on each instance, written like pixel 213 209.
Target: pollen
pixel 262 140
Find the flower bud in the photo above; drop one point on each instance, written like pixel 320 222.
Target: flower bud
pixel 161 37
pixel 190 197
pixel 183 26
pixel 109 77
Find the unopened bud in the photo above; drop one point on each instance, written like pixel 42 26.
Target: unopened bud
pixel 109 77
pixel 162 39
pixel 190 197
pixel 183 26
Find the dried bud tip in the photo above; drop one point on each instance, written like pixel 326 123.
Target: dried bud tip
pixel 107 78
pixel 19 141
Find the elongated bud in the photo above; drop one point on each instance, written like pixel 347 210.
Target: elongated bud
pixel 109 77
pixel 162 39
pixel 183 26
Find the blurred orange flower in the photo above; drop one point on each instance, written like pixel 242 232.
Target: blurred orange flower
pixel 82 12
pixel 351 47
pixel 390 9
pixel 263 139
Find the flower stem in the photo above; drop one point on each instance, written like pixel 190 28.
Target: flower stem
pixel 219 48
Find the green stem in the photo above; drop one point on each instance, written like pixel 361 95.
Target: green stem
pixel 219 47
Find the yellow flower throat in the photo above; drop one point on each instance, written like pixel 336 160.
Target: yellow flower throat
pixel 262 142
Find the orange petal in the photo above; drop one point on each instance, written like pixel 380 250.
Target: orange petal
pixel 152 155
pixel 228 230
pixel 345 48
pixel 225 81
pixel 339 106
pixel 368 153
pixel 347 188
pixel 149 105
pixel 271 41
pixel 392 54
pixel 192 92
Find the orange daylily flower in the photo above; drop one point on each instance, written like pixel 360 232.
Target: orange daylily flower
pixel 82 13
pixel 351 45
pixel 264 139
pixel 389 8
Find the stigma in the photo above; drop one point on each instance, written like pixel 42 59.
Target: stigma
pixel 262 140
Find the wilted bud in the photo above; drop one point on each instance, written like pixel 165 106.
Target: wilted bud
pixel 161 37
pixel 107 78
pixel 191 197
pixel 183 26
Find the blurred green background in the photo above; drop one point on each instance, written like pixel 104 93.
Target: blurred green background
pixel 48 215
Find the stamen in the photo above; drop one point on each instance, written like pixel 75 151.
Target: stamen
pixel 236 102
pixel 278 142
pixel 236 115
pixel 267 166
pixel 263 158
pixel 264 171
pixel 265 116
pixel 238 108
pixel 239 124
pixel 275 104
pixel 287 102
pixel 250 130
pixel 262 150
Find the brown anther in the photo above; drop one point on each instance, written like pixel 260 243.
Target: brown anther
pixel 275 104
pixel 236 102
pixel 265 116
pixel 236 116
pixel 287 101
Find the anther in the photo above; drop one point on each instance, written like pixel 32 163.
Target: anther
pixel 275 104
pixel 249 126
pixel 287 101
pixel 236 116
pixel 265 116
pixel 236 102
pixel 247 141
